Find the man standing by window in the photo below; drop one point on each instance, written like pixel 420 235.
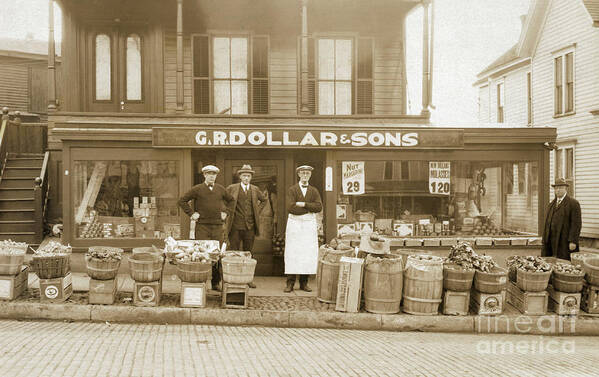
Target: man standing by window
pixel 562 224
pixel 243 222
pixel 210 201
pixel 301 236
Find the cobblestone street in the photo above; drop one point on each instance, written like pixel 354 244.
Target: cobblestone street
pixel 102 349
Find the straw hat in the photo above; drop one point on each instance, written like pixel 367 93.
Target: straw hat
pixel 304 167
pixel 246 168
pixel 210 168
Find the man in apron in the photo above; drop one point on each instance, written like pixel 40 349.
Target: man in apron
pixel 301 236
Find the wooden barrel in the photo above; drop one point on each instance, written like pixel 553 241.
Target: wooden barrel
pixel 491 282
pixel 457 278
pixel 423 284
pixel 383 283
pixel 327 272
pixel 532 281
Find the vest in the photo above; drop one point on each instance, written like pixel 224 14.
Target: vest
pixel 244 212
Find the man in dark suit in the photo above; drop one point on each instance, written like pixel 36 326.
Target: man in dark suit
pixel 301 235
pixel 562 223
pixel 244 212
pixel 210 200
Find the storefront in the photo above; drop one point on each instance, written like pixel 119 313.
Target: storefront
pixel 413 182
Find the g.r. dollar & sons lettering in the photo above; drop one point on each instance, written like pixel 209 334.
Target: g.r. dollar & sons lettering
pixel 322 139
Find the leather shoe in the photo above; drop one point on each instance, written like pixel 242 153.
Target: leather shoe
pixel 306 288
pixel 288 288
pixel 251 285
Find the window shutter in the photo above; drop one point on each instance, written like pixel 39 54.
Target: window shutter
pixel 365 85
pixel 312 75
pixel 260 83
pixel 201 72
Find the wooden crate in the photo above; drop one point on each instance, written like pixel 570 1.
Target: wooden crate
pixel 531 303
pixel 349 286
pixel 413 242
pixel 147 294
pixel 57 289
pixel 451 241
pixel 486 303
pixel 432 242
pixel 235 296
pixel 483 241
pixel 563 303
pixel 501 241
pixel 193 295
pixel 456 303
pixel 589 301
pixel 102 292
pixel 12 286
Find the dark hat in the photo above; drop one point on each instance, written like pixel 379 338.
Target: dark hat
pixel 304 167
pixel 246 168
pixel 560 182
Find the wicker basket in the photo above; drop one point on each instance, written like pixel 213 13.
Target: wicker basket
pixel 532 281
pixel 101 269
pixel 491 282
pixel 457 278
pixel 591 269
pixel 145 267
pixel 194 272
pixel 11 264
pixel 238 270
pixel 578 258
pixel 50 267
pixel 567 283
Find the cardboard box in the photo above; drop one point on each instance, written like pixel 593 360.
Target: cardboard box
pixel 235 296
pixel 349 287
pixel 56 290
pixel 193 295
pixel 102 292
pixel 11 286
pixel 147 294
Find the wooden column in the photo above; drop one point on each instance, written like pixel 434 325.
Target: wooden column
pixel 180 100
pixel 425 59
pixel 51 59
pixel 304 109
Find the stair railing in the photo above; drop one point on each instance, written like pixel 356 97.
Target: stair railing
pixel 3 140
pixel 40 194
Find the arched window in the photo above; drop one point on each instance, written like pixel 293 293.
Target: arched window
pixel 133 59
pixel 103 68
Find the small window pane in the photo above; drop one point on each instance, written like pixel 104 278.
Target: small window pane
pixel 558 71
pixel 343 59
pixel 343 98
pixel 559 172
pixel 239 58
pixel 239 97
pixel 326 59
pixel 103 71
pixel 222 63
pixel 326 98
pixel 134 68
pixel 222 97
pixel 569 163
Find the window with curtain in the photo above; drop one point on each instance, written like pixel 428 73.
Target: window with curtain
pixel 563 66
pixel 133 68
pixel 102 60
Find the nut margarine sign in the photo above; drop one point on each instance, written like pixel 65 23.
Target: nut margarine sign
pixel 305 138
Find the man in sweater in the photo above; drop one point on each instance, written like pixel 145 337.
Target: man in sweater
pixel 562 223
pixel 210 201
pixel 244 210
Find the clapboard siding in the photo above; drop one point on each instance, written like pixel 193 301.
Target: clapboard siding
pixel 483 104
pixel 14 87
pixel 388 77
pixel 516 98
pixel 568 23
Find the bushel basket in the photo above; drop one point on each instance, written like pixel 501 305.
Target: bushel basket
pixel 145 267
pixel 567 283
pixel 50 267
pixel 490 282
pixel 457 278
pixel 194 272
pixel 101 269
pixel 532 281
pixel 11 264
pixel 238 270
pixel 591 269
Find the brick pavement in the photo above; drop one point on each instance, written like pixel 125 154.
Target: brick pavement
pixel 101 349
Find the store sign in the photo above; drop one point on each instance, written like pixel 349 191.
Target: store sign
pixel 353 177
pixel 439 177
pixel 306 138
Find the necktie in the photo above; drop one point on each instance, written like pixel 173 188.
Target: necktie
pixel 304 186
pixel 211 186
pixel 245 189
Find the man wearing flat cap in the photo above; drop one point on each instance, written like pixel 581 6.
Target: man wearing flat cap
pixel 562 223
pixel 301 235
pixel 210 203
pixel 244 212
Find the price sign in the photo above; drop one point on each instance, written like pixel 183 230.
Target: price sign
pixel 439 177
pixel 352 174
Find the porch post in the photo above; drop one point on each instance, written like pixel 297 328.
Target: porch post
pixel 51 59
pixel 304 109
pixel 425 60
pixel 180 100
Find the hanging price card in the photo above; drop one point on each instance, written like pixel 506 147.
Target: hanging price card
pixel 353 177
pixel 439 177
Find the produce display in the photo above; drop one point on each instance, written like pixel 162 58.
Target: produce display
pixel 9 247
pixel 566 268
pixel 53 248
pixel 278 244
pixel 487 228
pixel 424 257
pixel 529 263
pixel 191 251
pixel 105 253
pixel 464 255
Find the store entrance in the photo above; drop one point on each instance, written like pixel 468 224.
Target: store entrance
pixel 270 179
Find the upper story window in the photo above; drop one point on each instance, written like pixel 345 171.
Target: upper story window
pixel 230 74
pixel 133 67
pixel 340 75
pixel 102 55
pixel 500 102
pixel 563 65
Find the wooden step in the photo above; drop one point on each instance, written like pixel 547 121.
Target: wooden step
pixel 25 162
pixel 15 193
pixel 21 203
pixel 28 237
pixel 17 182
pixel 9 226
pixel 23 171
pixel 17 214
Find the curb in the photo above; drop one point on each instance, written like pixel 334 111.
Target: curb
pixel 504 324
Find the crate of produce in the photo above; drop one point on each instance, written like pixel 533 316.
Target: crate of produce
pixel 51 260
pixel 103 262
pixel 532 272
pixel 145 267
pixel 238 270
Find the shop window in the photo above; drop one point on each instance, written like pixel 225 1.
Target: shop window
pixel 563 66
pixel 500 103
pixel 223 82
pixel 564 166
pixel 467 199
pixel 126 199
pixel 133 67
pixel 102 59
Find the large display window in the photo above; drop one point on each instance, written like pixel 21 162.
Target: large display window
pixel 438 197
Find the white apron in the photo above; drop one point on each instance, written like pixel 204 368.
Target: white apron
pixel 301 244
